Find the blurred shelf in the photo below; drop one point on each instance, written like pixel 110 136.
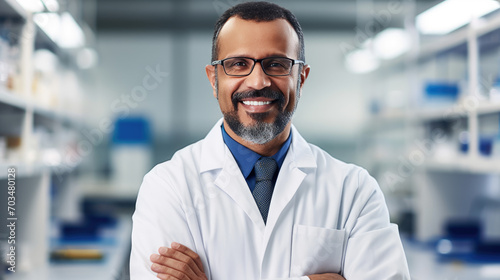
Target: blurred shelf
pixel 8 98
pixel 11 9
pixel 488 108
pixel 390 116
pixel 12 100
pixel 421 115
pixel 57 116
pixel 459 163
pixel 22 169
pixel 105 188
pixel 436 114
pixel 458 111
pixel 115 257
pixel 480 165
pixel 32 169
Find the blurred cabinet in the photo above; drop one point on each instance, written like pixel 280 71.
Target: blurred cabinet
pixel 434 139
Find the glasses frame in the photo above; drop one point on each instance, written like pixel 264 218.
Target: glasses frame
pixel 221 62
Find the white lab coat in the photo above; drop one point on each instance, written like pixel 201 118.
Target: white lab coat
pixel 325 216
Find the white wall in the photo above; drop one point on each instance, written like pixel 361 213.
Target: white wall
pixel 123 62
pixel 334 103
pixel 203 107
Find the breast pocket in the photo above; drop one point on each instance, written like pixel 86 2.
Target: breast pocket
pixel 316 250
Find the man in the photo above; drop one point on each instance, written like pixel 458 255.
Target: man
pixel 253 200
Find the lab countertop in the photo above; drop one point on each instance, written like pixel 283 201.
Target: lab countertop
pixel 116 255
pixel 423 264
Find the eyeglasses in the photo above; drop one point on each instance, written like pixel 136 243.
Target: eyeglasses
pixel 243 66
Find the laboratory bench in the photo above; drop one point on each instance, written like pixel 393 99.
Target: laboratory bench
pixel 424 263
pixel 115 250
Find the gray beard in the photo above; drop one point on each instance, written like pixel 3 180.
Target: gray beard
pixel 261 132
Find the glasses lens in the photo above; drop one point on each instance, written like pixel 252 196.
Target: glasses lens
pixel 238 66
pixel 277 66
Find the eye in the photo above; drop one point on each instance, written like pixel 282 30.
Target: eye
pixel 277 64
pixel 237 63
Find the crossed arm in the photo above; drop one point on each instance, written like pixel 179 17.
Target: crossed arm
pixel 180 263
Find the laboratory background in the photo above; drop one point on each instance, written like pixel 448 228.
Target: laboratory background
pixel 94 93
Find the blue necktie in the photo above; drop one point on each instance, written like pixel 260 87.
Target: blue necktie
pixel 264 173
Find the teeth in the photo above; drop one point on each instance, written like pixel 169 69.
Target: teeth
pixel 256 103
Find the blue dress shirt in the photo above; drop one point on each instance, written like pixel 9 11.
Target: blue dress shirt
pixel 246 158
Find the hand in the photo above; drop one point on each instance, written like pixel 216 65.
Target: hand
pixel 326 276
pixel 177 263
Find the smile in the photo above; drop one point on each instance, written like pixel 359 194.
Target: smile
pixel 256 103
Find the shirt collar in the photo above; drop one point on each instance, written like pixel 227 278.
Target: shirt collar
pixel 246 158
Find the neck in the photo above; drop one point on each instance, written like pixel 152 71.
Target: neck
pixel 268 149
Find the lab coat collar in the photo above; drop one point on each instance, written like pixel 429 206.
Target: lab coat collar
pixel 213 149
pixel 301 152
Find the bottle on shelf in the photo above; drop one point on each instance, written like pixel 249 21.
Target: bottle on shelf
pixel 441 93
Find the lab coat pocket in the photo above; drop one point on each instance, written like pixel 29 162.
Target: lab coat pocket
pixel 316 250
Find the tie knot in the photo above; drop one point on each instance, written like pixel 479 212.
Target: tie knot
pixel 265 169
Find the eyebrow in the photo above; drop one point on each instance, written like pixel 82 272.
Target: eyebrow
pixel 249 56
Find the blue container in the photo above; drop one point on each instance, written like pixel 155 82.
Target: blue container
pixel 485 146
pixel 442 91
pixel 132 130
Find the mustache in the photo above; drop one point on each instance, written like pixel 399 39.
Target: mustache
pixel 275 95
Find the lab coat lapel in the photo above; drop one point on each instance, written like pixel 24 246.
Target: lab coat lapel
pixel 231 181
pixel 216 155
pixel 298 163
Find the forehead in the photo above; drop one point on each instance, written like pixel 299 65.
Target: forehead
pixel 239 37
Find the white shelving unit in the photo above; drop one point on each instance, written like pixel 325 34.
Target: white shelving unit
pixel 20 116
pixel 441 186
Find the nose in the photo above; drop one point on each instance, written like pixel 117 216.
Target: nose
pixel 258 79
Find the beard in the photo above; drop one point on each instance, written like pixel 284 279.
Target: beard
pixel 261 132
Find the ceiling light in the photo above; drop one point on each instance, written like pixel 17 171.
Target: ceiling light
pixel 361 61
pixel 71 34
pixel 63 29
pixel 450 15
pixel 86 58
pixel 31 5
pixel 391 43
pixel 50 23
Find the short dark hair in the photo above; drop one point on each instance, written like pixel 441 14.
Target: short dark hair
pixel 258 11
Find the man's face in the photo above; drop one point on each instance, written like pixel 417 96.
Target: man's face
pixel 257 107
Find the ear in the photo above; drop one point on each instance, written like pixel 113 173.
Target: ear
pixel 303 75
pixel 210 69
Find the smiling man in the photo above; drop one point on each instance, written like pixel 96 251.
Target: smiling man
pixel 253 200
